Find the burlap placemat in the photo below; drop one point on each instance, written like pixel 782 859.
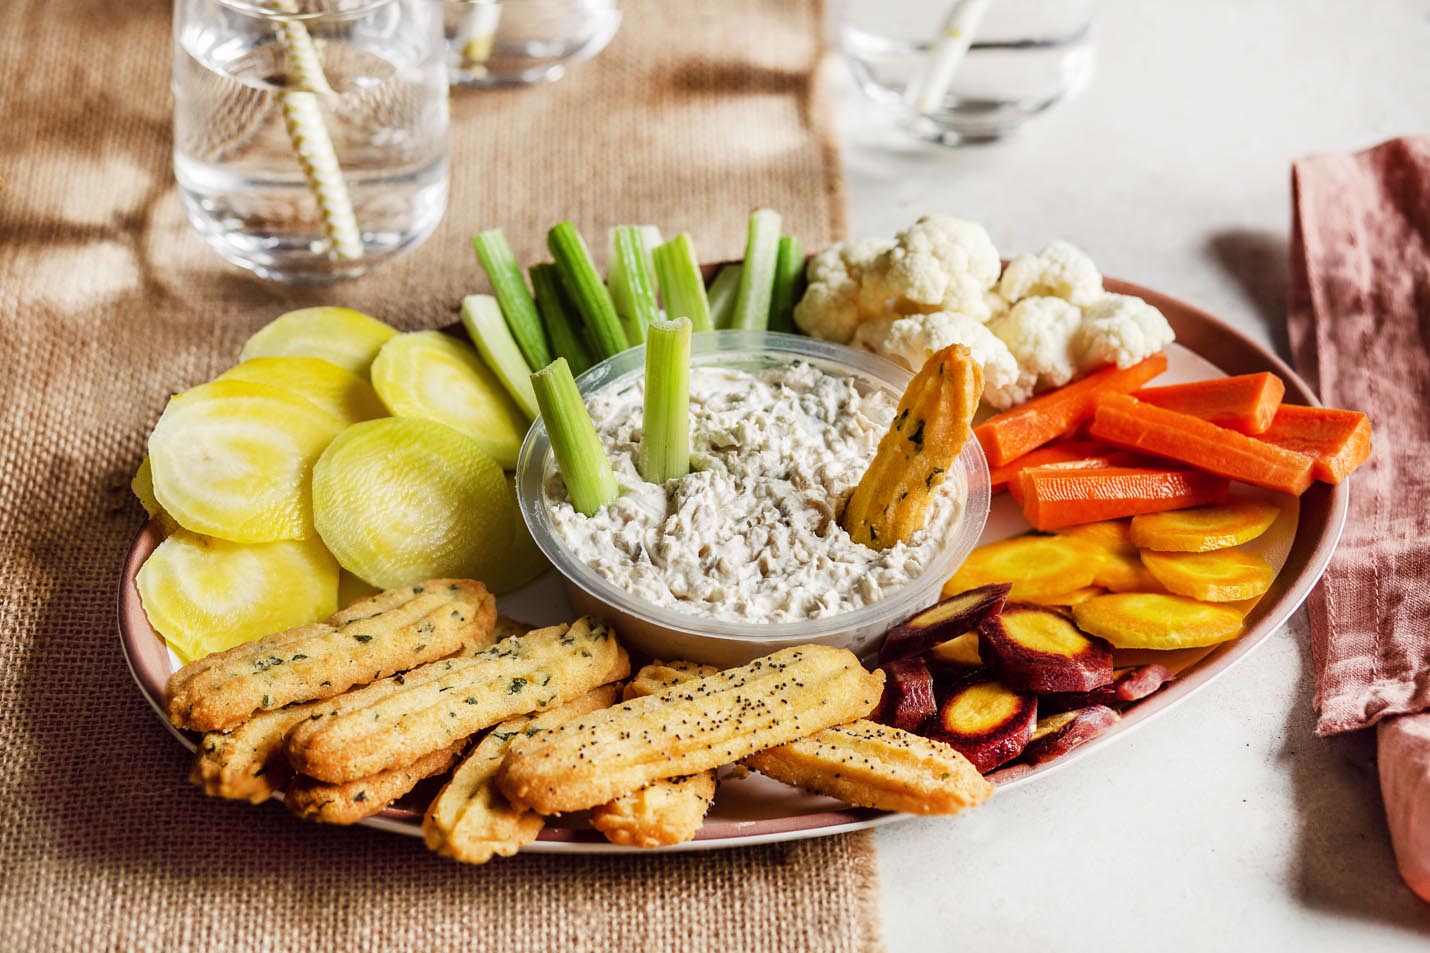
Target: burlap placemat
pixel 108 302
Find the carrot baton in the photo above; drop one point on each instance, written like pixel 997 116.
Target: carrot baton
pixel 1054 497
pixel 1244 403
pixel 1009 435
pixel 1338 440
pixel 1130 423
pixel 1063 451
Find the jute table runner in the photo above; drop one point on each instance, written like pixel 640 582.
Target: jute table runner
pixel 109 302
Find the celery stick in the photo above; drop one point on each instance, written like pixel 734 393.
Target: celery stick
pixel 516 304
pixel 579 454
pixel 665 429
pixel 681 285
pixel 588 292
pixel 562 326
pixel 482 317
pixel 757 277
pixel 632 289
pixel 789 283
pixel 722 295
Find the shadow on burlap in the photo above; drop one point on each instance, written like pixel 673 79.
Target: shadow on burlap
pixel 109 302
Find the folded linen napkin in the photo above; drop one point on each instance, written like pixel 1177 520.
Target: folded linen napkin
pixel 1359 321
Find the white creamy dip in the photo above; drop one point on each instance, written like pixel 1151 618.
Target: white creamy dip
pixel 751 534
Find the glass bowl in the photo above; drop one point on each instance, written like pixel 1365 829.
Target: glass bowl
pixel 662 632
pixel 523 42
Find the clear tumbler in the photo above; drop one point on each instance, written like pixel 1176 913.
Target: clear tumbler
pixel 310 136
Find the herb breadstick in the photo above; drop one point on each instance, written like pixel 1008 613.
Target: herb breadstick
pixel 351 802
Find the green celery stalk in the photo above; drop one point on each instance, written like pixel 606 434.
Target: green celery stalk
pixel 722 295
pixel 632 289
pixel 681 285
pixel 757 278
pixel 562 326
pixel 579 454
pixel 588 292
pixel 516 304
pixel 665 429
pixel 482 317
pixel 789 283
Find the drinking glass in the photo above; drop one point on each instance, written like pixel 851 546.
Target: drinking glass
pixel 310 136
pixel 523 42
pixel 1025 56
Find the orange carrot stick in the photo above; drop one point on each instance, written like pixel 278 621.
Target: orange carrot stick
pixel 1338 440
pixel 1054 497
pixel 1245 403
pixel 1190 440
pixel 1111 457
pixel 1063 451
pixel 1007 436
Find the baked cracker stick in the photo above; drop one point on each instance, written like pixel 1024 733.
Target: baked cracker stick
pixel 864 763
pixel 249 764
pixel 454 698
pixel 668 811
pixel 319 661
pixel 873 765
pixel 469 820
pixel 351 802
pixel 690 728
pixel 928 432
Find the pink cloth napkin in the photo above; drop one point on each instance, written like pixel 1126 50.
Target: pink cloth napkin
pixel 1360 328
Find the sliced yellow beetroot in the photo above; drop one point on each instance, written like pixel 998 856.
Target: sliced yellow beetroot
pixel 1056 735
pixel 986 721
pixel 908 699
pixel 1037 649
pixel 952 617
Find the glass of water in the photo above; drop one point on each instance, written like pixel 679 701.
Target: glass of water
pixel 1018 59
pixel 310 136
pixel 523 42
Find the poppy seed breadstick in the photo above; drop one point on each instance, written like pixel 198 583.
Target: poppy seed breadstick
pixel 454 698
pixel 349 803
pixel 469 820
pixel 693 727
pixel 319 661
pixel 668 811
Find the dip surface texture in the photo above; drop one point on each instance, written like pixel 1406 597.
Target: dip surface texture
pixel 752 533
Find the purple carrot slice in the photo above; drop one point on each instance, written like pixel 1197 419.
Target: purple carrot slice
pixel 1037 649
pixel 952 617
pixel 1056 735
pixel 986 721
pixel 908 699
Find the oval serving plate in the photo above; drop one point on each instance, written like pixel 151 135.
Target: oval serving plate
pixel 755 810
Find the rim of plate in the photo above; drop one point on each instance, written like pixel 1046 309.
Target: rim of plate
pixel 1321 520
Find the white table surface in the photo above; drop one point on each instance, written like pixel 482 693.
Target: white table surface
pixel 1225 825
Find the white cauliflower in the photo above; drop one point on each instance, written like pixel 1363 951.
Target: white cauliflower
pixel 1039 333
pixel 830 306
pixel 1060 270
pixel 939 263
pixel 912 340
pixel 1121 330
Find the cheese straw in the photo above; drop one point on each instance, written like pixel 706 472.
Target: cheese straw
pixel 309 135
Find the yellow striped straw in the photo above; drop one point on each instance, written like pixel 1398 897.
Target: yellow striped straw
pixel 309 135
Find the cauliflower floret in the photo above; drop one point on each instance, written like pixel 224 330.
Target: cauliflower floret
pixel 1039 333
pixel 1060 270
pixel 912 340
pixel 1121 330
pixel 939 263
pixel 830 306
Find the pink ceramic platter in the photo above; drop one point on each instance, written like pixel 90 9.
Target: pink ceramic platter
pixel 755 810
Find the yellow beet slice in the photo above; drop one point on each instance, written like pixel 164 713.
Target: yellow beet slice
pixel 232 459
pixel 1140 620
pixel 401 499
pixel 335 389
pixel 432 375
pixel 340 336
pixel 205 595
pixel 143 487
pixel 1115 535
pixel 1203 528
pixel 1037 566
pixel 524 559
pixel 1122 571
pixel 1223 575
pixel 1072 598
pixel 960 650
